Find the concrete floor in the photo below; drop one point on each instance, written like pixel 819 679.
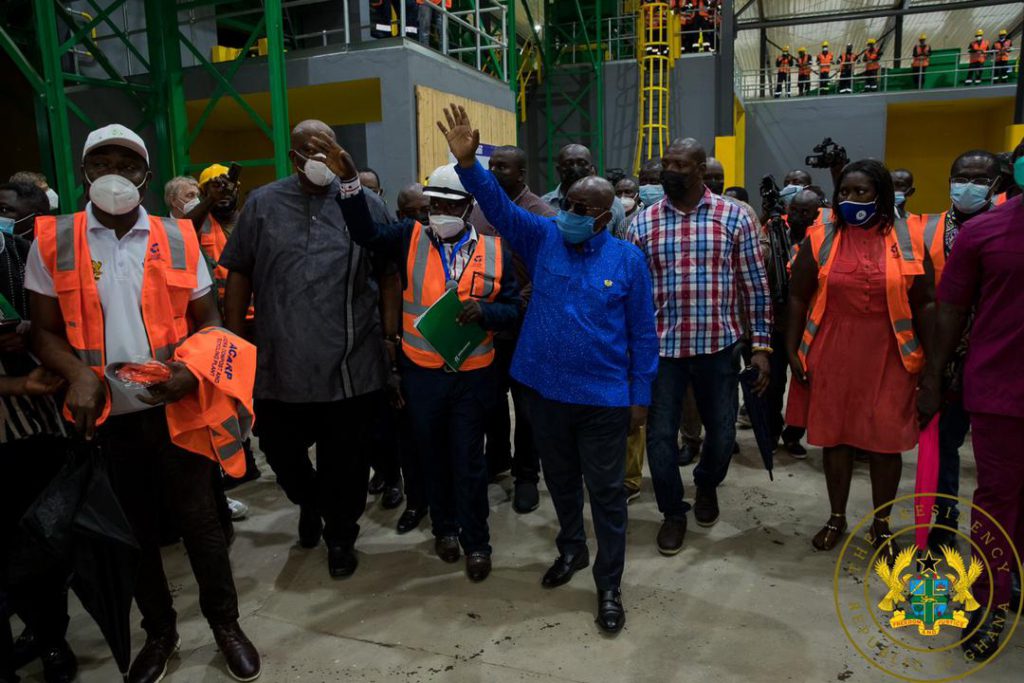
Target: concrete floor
pixel 747 600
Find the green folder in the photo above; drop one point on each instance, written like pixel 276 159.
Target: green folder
pixel 439 326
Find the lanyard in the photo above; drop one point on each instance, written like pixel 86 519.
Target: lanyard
pixel 450 280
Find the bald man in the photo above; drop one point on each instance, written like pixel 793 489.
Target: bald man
pixel 573 163
pixel 320 369
pixel 587 355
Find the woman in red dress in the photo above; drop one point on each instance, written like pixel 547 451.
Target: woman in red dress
pixel 860 301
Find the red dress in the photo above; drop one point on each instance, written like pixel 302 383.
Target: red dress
pixel 860 394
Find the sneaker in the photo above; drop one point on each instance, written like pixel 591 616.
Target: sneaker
pixel 671 535
pixel 705 506
pixel 796 450
pixel 631 493
pixel 239 510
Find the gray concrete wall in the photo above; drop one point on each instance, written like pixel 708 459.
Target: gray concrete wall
pixel 781 133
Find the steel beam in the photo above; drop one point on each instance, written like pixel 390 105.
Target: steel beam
pixel 280 129
pixel 54 101
pixel 725 71
pixel 825 17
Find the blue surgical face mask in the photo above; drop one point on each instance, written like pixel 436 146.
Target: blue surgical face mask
pixel 575 229
pixel 651 194
pixel 969 198
pixel 858 214
pixel 7 225
pixel 789 192
pixel 901 198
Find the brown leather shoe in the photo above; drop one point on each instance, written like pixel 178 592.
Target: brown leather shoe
pixel 447 548
pixel 150 664
pixel 478 566
pixel 671 535
pixel 239 653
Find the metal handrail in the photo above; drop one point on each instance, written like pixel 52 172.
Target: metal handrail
pixel 753 84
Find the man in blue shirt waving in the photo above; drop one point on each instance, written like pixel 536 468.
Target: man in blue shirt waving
pixel 588 353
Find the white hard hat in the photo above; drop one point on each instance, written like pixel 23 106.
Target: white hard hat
pixel 444 183
pixel 116 134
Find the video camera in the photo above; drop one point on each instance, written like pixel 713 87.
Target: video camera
pixel 828 154
pixel 771 200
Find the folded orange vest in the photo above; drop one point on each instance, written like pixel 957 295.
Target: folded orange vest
pixel 218 417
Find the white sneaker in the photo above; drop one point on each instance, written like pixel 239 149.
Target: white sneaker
pixel 239 510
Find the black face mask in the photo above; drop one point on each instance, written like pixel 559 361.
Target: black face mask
pixel 716 186
pixel 676 184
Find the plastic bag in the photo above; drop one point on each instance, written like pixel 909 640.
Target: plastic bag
pixel 139 375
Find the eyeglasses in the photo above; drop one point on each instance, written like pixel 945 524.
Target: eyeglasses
pixel 983 182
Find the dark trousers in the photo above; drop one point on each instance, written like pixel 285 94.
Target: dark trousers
pixel 954 424
pixel 1000 493
pixel 974 73
pixel 1002 71
pixel 803 84
pixel 380 17
pixel 429 18
pixel 341 432
pixel 31 583
pixel 715 379
pixel 918 76
pixel 386 443
pixel 143 464
pixel 777 392
pixel 846 79
pixel 824 81
pixel 524 461
pixel 447 412
pixel 585 445
pixel 871 80
pixel 782 80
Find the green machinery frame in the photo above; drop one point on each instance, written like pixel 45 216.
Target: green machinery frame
pixel 160 96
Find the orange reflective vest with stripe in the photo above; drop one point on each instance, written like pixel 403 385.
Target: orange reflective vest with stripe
pixel 480 280
pixel 825 63
pixel 929 230
pixel 1002 49
pixel 871 59
pixel 803 64
pixel 902 265
pixel 784 62
pixel 922 55
pixel 978 51
pixel 215 420
pixel 168 280
pixel 212 240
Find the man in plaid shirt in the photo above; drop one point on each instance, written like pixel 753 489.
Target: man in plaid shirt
pixel 705 259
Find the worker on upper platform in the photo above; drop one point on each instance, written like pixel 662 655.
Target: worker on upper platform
pixel 872 56
pixel 824 66
pixel 977 55
pixel 922 58
pixel 803 75
pixel 1002 48
pixel 783 64
pixel 846 62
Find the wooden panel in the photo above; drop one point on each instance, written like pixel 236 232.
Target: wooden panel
pixel 497 126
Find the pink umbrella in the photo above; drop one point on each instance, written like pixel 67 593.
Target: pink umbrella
pixel 927 480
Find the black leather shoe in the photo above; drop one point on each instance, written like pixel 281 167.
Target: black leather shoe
pixel 150 664
pixel 310 526
pixel 410 520
pixel 239 653
pixel 686 455
pixel 26 650
pixel 341 561
pixel 563 568
pixel 671 536
pixel 985 641
pixel 526 498
pixel 376 484
pixel 705 506
pixel 393 496
pixel 59 664
pixel 447 548
pixel 611 617
pixel 478 566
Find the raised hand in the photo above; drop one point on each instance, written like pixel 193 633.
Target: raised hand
pixel 337 159
pixel 463 139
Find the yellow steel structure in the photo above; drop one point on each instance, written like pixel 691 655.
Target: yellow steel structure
pixel 529 71
pixel 655 48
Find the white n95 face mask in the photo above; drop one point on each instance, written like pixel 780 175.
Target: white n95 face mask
pixel 114 194
pixel 446 227
pixel 187 207
pixel 318 173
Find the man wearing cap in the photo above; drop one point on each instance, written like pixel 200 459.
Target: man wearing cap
pixel 783 64
pixel 824 67
pixel 214 217
pixel 977 55
pixel 320 368
pixel 447 407
pixel 113 284
pixel 921 60
pixel 1002 48
pixel 872 56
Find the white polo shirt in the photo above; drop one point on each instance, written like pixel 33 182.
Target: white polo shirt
pixel 118 267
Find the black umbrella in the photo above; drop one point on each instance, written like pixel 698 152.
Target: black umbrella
pixel 760 421
pixel 96 540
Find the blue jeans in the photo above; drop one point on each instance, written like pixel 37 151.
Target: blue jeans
pixel 953 427
pixel 715 380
